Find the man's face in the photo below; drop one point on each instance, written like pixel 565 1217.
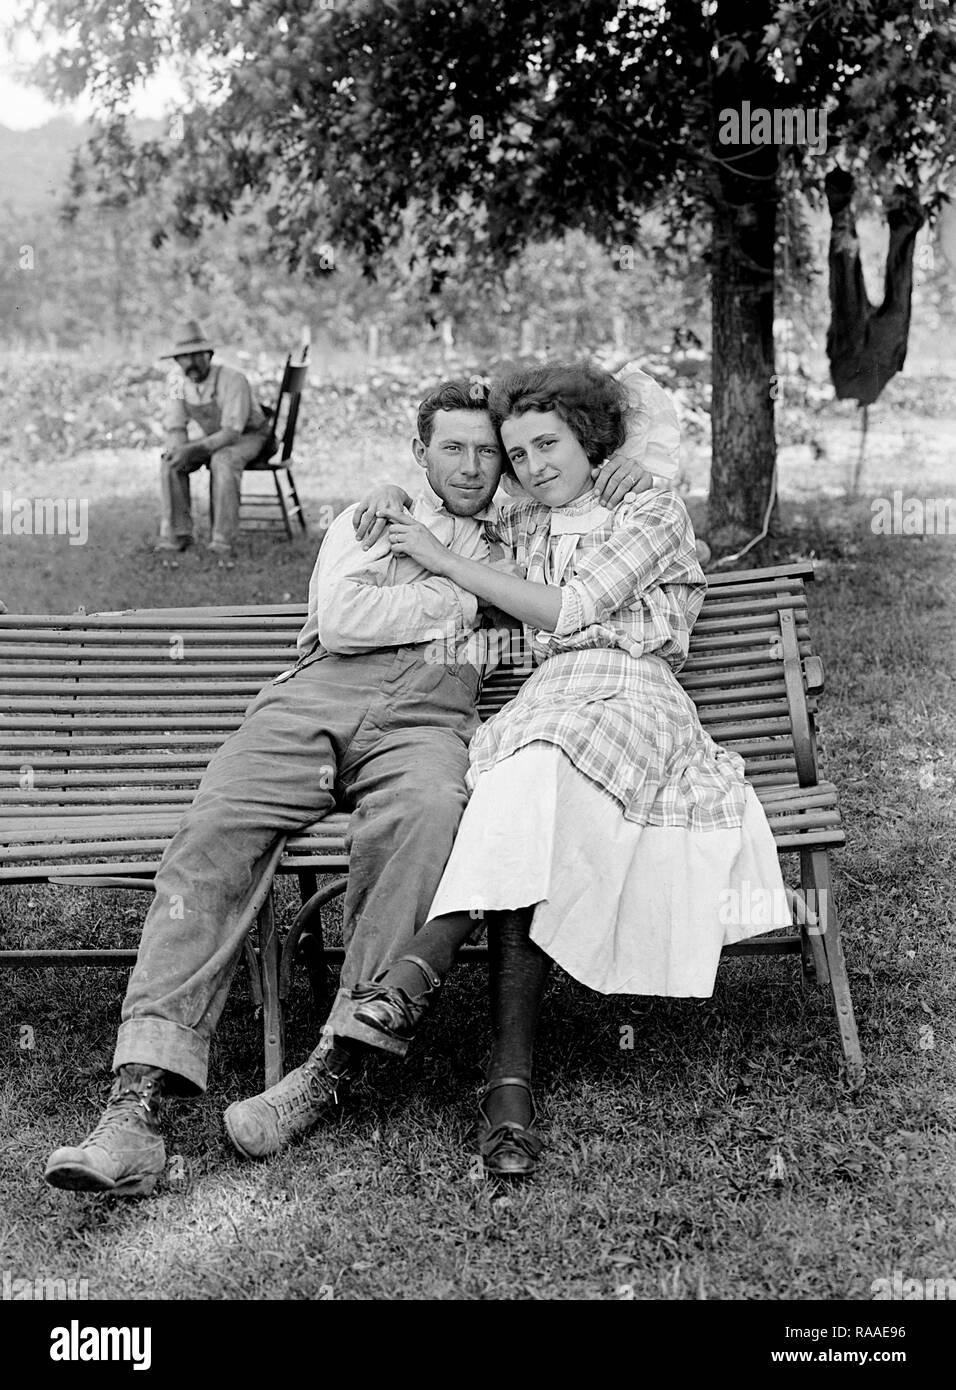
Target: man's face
pixel 462 460
pixel 195 365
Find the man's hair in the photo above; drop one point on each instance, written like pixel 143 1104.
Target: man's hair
pixel 589 401
pixel 450 395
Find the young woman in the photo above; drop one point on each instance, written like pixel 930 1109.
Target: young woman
pixel 605 830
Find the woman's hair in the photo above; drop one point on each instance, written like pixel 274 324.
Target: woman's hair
pixel 589 401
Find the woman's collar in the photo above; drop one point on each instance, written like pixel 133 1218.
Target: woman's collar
pixel 580 515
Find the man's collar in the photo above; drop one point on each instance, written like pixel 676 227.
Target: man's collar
pixel 431 502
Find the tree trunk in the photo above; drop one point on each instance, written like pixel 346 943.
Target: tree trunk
pixel 742 412
pixel 743 196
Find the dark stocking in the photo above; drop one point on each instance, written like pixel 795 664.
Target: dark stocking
pixel 518 973
pixel 438 942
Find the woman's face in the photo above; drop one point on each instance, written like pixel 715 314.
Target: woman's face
pixel 545 454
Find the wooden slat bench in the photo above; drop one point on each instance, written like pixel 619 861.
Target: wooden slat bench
pixel 108 720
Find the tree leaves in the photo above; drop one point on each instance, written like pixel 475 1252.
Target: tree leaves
pixel 585 115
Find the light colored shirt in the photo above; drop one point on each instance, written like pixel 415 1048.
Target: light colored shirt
pixel 223 401
pixel 361 600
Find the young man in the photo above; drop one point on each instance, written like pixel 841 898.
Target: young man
pixel 365 723
pixel 235 431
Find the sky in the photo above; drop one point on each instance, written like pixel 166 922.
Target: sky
pixel 23 107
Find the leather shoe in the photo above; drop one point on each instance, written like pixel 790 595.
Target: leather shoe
pixel 508 1149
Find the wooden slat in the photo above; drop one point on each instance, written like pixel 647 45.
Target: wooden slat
pixel 694 664
pixel 714 678
pixel 246 617
pixel 329 862
pixel 81 762
pixel 112 704
pixel 164 670
pixel 762 747
pixel 824 793
pixel 123 721
pixel 146 653
pixel 717 694
pixel 39 959
pixel 745 605
pixel 762 709
pixel 734 732
pixel 125 777
pixel 758 766
pixel 92 641
pixel 719 593
pixel 66 796
pixel 153 820
pixel 185 687
pixel 176 739
pixel 711 621
pixel 802 569
pixel 739 641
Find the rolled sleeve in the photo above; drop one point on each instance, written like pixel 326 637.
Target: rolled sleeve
pixel 571 617
pixel 174 416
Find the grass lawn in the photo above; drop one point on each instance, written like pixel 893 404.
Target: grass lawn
pixel 718 1158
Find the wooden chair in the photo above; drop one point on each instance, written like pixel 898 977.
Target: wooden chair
pixel 109 720
pixel 286 500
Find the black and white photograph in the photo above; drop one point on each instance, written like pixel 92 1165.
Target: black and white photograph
pixel 477 667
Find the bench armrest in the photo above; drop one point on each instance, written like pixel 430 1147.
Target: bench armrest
pixel 813 674
pixel 804 750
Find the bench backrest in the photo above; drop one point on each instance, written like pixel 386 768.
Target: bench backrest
pixel 123 710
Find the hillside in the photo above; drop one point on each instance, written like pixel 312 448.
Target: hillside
pixel 35 164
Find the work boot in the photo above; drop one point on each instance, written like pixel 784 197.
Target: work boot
pixel 125 1153
pixel 263 1125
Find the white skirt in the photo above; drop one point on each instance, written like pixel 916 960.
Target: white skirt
pixel 623 908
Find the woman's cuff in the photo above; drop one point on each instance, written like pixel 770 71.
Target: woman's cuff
pixel 571 617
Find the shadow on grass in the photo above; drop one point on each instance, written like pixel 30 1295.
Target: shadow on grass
pixel 116 567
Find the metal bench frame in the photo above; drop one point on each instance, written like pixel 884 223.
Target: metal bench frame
pixel 108 721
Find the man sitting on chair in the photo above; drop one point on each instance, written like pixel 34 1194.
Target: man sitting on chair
pixel 235 432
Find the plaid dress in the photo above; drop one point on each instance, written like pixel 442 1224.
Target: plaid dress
pixel 605 692
pixel 597 797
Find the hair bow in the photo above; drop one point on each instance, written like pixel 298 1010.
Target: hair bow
pixel 653 429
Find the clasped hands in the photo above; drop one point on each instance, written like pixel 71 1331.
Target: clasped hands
pixel 406 536
pixel 186 453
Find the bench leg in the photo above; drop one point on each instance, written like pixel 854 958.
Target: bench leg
pixel 825 909
pixel 308 884
pixel 272 1022
pixel 252 969
pixel 305 934
pixel 815 969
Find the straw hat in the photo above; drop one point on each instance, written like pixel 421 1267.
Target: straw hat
pixel 189 338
